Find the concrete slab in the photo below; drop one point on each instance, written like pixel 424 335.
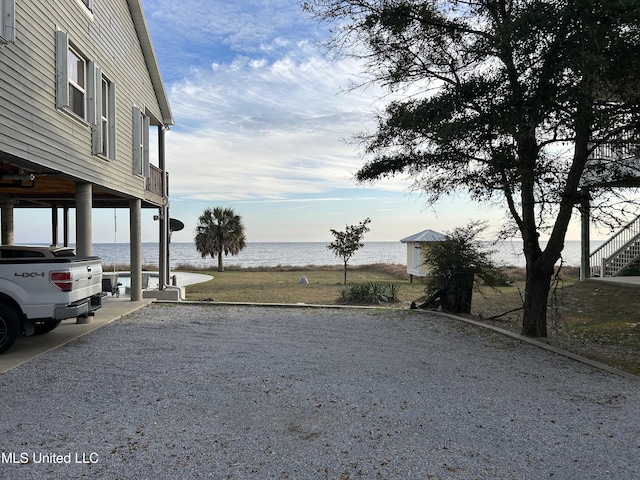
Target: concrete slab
pixel 170 294
pixel 620 280
pixel 113 308
pixel 27 348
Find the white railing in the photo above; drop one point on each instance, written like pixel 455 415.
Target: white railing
pixel 608 259
pixel 621 149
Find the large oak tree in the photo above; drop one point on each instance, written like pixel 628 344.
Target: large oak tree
pixel 507 100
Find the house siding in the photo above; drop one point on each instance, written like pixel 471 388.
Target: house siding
pixel 32 128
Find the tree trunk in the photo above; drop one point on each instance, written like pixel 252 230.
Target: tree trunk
pixel 220 265
pixel 536 296
pixel 345 273
pixel 457 295
pixel 540 265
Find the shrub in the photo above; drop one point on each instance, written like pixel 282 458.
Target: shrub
pixel 455 265
pixel 371 293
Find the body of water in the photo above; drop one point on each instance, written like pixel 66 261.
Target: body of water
pixel 269 254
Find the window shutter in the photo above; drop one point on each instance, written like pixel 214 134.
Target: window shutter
pixel 8 20
pixel 62 75
pixel 94 93
pixel 137 140
pixel 112 122
pixel 94 106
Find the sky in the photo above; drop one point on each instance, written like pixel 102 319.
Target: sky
pixel 264 125
pixel 264 122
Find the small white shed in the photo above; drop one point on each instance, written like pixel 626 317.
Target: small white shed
pixel 415 267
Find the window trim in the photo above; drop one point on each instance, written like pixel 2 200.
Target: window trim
pixel 74 86
pixel 103 137
pixel 105 119
pixel 63 89
pixel 88 4
pixel 103 116
pixel 7 21
pixel 63 47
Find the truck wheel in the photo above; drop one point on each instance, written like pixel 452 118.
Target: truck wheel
pixel 42 328
pixel 9 327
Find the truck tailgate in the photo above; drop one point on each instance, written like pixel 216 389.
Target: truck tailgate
pixel 87 277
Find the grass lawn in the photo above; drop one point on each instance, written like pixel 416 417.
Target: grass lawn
pixel 594 319
pixel 280 285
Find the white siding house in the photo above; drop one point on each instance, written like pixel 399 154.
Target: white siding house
pixel 415 243
pixel 80 93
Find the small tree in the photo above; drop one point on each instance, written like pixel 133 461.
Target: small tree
pixel 220 230
pixel 454 266
pixel 348 242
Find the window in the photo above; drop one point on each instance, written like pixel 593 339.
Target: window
pixel 83 90
pixel 141 124
pixel 77 73
pixel 7 21
pixel 71 77
pixel 103 114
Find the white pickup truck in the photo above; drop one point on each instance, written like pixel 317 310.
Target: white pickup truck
pixel 41 286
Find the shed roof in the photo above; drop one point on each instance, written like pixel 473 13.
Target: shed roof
pixel 425 236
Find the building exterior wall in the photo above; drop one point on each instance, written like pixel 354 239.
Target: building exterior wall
pixel 34 129
pixel 415 261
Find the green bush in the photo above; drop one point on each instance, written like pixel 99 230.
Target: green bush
pixel 370 293
pixel 455 265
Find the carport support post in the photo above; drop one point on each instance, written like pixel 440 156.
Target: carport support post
pixel 65 214
pixel 54 225
pixel 7 221
pixel 84 204
pixel 164 268
pixel 135 241
pixel 163 214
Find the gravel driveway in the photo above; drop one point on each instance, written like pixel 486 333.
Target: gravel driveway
pixel 187 391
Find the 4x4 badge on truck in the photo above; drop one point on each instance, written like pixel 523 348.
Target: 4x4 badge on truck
pixel 29 274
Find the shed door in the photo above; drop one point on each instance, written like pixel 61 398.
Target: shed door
pixel 416 257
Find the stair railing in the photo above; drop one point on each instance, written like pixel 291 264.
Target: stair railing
pixel 601 257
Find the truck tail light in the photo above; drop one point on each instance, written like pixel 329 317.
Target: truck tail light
pixel 62 280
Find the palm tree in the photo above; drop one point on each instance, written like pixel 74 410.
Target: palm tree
pixel 220 230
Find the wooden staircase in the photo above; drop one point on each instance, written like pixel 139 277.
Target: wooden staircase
pixel 620 251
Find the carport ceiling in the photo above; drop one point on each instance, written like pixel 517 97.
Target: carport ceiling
pixel 31 188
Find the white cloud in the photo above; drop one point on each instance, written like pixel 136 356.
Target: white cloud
pixel 261 112
pixel 273 129
pixel 241 26
pixel 262 123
